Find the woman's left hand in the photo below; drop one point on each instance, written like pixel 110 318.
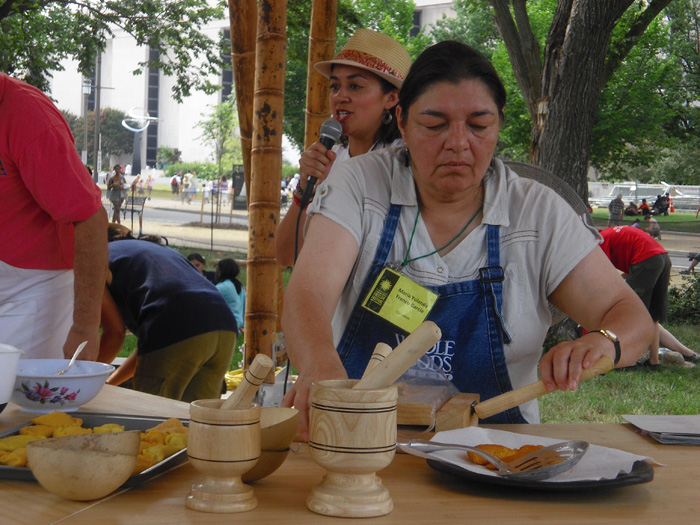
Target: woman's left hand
pixel 561 367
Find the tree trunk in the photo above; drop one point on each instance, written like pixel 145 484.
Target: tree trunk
pixel 563 103
pixel 321 47
pixel 242 16
pixel 266 163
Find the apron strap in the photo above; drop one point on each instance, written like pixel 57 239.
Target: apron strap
pixel 387 239
pixel 491 278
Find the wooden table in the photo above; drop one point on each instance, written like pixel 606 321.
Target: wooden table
pixel 421 494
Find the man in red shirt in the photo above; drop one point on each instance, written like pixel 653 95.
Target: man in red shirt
pixel 53 247
pixel 647 269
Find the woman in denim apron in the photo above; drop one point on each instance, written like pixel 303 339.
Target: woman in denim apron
pixel 422 213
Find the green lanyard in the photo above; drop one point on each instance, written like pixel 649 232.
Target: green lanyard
pixel 406 260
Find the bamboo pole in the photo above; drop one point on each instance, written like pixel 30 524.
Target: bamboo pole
pixel 266 172
pixel 321 47
pixel 242 18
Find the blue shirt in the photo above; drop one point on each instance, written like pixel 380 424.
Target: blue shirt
pixel 162 298
pixel 235 301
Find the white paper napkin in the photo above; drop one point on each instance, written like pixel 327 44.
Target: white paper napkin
pixel 598 463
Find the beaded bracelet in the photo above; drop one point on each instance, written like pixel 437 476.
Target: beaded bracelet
pixel 297 200
pixel 297 194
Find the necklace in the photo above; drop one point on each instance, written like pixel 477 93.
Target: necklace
pixel 406 260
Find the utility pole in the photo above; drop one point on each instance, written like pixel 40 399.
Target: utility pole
pixel 98 88
pixel 87 85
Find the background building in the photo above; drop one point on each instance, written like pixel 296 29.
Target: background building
pixel 151 91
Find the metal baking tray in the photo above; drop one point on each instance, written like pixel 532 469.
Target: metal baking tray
pixel 93 419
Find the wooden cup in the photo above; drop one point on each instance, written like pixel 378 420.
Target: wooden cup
pixel 223 445
pixel 352 434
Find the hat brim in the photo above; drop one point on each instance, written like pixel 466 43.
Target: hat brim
pixel 325 69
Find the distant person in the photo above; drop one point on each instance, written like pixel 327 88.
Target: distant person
pixel 647 269
pixel 115 187
pixel 615 208
pixel 186 332
pixel 660 206
pixel 149 185
pixel 644 208
pixel 200 264
pixel 53 251
pixel 135 184
pixel 636 224
pixel 186 182
pixel 652 227
pixel 693 263
pixel 294 182
pixel 175 185
pixel 231 288
pixel 631 209
pixel 224 190
pixel 206 192
pixel 193 188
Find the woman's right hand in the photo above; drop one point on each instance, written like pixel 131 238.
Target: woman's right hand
pixel 316 161
pixel 299 396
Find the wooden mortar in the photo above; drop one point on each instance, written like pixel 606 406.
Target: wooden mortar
pixel 352 434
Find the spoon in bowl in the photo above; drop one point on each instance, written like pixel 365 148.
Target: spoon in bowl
pixel 72 359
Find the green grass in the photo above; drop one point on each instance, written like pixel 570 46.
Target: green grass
pixel 678 221
pixel 667 390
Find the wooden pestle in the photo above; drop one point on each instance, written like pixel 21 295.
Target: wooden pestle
pixel 517 397
pixel 401 358
pixel 242 397
pixel 380 352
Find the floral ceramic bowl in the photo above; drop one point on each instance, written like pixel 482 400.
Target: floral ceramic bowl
pixel 39 389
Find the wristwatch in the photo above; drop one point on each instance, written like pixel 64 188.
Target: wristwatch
pixel 614 339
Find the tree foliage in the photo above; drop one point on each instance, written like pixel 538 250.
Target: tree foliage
pixel 167 156
pixel 36 35
pixel 597 82
pixel 116 139
pixel 218 129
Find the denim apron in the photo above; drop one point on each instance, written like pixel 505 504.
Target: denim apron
pixel 468 314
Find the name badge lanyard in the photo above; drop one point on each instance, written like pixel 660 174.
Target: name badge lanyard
pixel 399 299
pixel 406 260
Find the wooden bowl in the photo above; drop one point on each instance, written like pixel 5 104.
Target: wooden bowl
pixel 278 426
pixel 86 466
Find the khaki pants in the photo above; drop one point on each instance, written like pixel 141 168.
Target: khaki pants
pixel 189 370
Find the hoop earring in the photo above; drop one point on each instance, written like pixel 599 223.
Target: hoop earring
pixel 387 117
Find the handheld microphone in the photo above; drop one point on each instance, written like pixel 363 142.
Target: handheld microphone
pixel 331 130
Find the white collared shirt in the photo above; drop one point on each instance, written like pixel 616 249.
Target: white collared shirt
pixel 542 240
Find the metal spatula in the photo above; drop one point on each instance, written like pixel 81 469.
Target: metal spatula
pixel 543 463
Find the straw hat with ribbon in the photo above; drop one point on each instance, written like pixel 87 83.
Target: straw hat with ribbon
pixel 375 52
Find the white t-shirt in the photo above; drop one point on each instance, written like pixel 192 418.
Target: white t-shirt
pixel 542 240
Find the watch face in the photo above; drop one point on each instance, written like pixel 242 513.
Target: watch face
pixel 609 334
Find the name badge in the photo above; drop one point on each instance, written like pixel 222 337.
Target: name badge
pixel 399 300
